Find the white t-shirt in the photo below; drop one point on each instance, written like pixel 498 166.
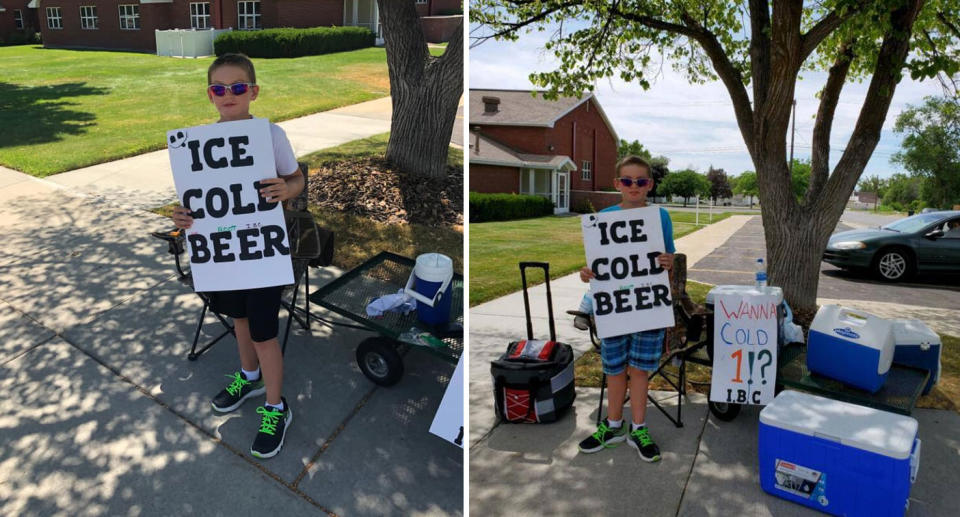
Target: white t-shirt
pixel 283 151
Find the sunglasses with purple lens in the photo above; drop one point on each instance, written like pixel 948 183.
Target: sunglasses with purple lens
pixel 236 88
pixel 627 182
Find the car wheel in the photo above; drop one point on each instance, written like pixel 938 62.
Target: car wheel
pixel 892 264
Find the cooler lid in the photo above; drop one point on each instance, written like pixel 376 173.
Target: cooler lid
pixel 865 428
pixel 744 289
pixel 913 332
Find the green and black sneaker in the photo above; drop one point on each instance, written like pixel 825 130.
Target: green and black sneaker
pixel 239 390
pixel 641 441
pixel 273 428
pixel 605 437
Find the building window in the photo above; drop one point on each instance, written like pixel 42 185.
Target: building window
pixel 421 1
pixel 248 15
pixel 200 15
pixel 54 19
pixel 88 17
pixel 586 170
pixel 129 17
pixel 18 18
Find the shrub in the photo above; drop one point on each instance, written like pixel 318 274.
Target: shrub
pixel 21 38
pixel 293 42
pixel 584 206
pixel 506 207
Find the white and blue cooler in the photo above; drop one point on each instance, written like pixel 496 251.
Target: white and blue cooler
pixel 837 457
pixel 918 346
pixel 431 285
pixel 851 346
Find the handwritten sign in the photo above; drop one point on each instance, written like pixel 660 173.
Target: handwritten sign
pixel 448 420
pixel 744 349
pixel 631 292
pixel 238 240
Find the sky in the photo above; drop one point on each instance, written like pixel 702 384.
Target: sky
pixel 694 125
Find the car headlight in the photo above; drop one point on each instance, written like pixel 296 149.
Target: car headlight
pixel 848 245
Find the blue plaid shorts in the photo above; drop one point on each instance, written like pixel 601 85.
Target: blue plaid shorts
pixel 641 350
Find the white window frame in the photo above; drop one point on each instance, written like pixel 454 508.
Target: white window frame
pixel 88 17
pixel 200 15
pixel 245 18
pixel 54 18
pixel 18 18
pixel 586 170
pixel 129 17
pixel 421 2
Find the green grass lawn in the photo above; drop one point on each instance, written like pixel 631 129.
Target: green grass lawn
pixel 497 247
pixel 65 109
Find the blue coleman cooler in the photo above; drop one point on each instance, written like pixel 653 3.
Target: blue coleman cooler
pixel 837 457
pixel 918 346
pixel 430 284
pixel 851 346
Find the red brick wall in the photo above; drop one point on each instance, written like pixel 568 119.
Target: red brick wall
pixel 600 200
pixel 7 23
pixel 301 13
pixel 494 179
pixel 594 142
pixel 523 139
pixel 438 29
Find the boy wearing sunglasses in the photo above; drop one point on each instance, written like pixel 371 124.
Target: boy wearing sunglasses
pixel 231 88
pixel 637 353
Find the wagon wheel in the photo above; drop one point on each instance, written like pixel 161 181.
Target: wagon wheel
pixel 724 411
pixel 380 361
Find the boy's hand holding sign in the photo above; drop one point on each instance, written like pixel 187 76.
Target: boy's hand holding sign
pixel 238 239
pixel 631 292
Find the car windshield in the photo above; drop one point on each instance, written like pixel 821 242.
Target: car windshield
pixel 914 223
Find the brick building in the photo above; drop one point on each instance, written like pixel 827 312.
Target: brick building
pixel 130 24
pixel 18 16
pixel 564 150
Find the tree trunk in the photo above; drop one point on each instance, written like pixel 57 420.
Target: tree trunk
pixel 425 91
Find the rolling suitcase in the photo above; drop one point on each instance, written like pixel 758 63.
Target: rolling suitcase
pixel 533 379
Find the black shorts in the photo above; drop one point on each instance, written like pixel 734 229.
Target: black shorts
pixel 260 306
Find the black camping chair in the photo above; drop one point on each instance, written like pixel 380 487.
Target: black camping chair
pixel 310 246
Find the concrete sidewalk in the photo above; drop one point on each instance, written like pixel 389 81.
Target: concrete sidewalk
pixel 104 415
pixel 709 467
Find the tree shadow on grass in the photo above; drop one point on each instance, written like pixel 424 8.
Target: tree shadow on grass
pixel 40 114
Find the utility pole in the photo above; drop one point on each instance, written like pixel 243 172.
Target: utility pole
pixel 793 133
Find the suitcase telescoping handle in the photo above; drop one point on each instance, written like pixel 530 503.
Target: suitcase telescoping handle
pixel 526 299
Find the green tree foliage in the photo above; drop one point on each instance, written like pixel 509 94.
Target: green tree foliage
pixel 931 148
pixel 747 185
pixel 800 178
pixel 635 148
pixel 686 184
pixel 902 191
pixel 719 184
pixel 874 184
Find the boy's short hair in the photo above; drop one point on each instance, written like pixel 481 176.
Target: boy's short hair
pixel 237 60
pixel 631 159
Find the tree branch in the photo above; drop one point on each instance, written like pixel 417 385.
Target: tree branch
pixel 513 27
pixel 760 51
pixel 866 132
pixel 730 76
pixel 953 28
pixel 823 28
pixel 820 156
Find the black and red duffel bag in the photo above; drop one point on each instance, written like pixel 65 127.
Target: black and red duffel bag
pixel 533 380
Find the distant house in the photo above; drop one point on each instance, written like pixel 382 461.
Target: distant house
pixel 130 24
pixel 564 150
pixel 862 200
pixel 18 16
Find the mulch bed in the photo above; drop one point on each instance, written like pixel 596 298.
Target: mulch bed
pixel 373 188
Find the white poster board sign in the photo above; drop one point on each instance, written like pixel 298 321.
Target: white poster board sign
pixel 744 349
pixel 631 292
pixel 238 240
pixel 448 421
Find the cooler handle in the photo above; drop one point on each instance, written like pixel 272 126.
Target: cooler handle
pixel 862 317
pixel 915 461
pixel 411 292
pixel 526 299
